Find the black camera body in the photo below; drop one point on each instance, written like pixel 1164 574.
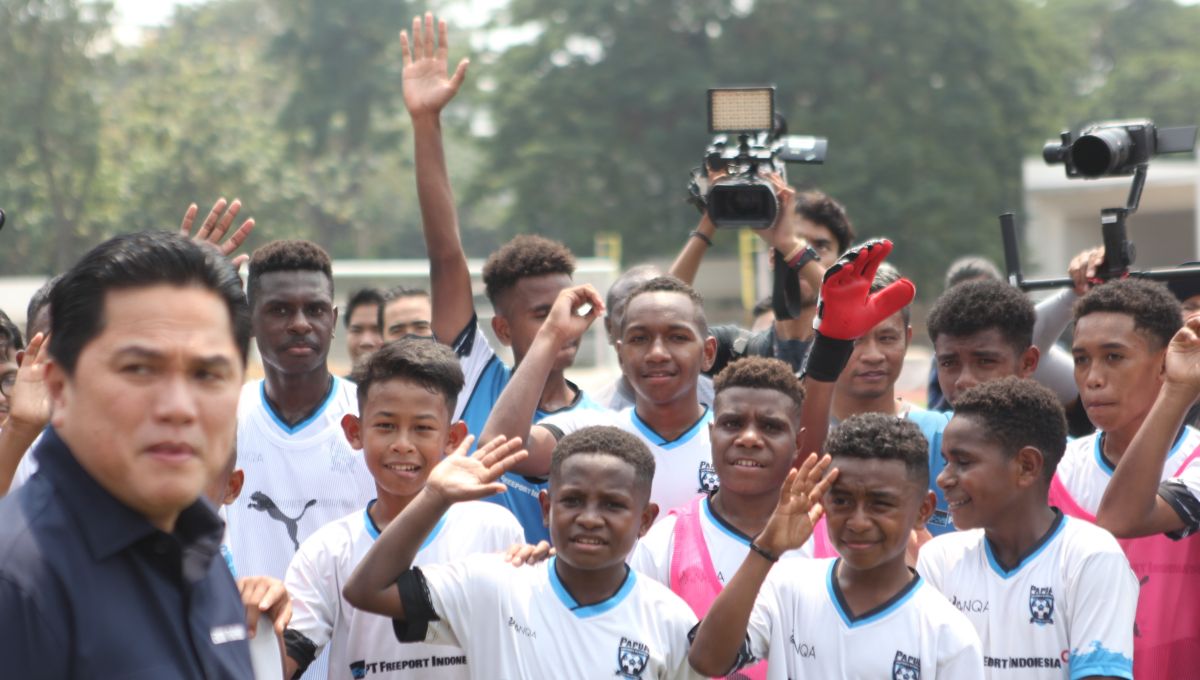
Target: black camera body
pixel 1116 148
pixel 743 196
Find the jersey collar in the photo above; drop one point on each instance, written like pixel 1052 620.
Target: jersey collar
pixel 1045 540
pixel 588 611
pixel 661 442
pixel 293 429
pixel 843 610
pixel 1108 468
pixel 373 531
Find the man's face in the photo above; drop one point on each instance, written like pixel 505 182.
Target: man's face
pixel 822 240
pixel 872 508
pixel 525 308
pixel 754 439
pixel 596 510
pixel 877 360
pixel 8 372
pixel 978 480
pixel 1117 369
pixel 362 333
pixel 966 361
pixel 404 432
pixel 662 348
pixel 409 315
pixel 293 319
pixel 150 411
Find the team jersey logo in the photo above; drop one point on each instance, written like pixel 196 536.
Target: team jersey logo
pixel 708 477
pixel 358 669
pixel 1041 605
pixel 632 659
pixel 906 667
pixel 263 503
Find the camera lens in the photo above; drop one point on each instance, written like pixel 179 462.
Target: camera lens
pixel 1099 153
pixel 749 204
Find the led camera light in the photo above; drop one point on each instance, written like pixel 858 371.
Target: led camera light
pixel 750 109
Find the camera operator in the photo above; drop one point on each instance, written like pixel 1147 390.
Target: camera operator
pixel 809 219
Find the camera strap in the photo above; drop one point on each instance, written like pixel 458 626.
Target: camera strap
pixel 785 293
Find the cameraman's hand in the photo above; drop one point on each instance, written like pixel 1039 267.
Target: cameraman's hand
pixel 1084 269
pixel 783 235
pixel 427 89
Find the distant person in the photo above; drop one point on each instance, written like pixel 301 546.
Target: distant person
pixel 968 268
pixel 363 334
pixel 404 312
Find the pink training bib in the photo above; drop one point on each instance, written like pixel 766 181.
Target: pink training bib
pixel 1166 636
pixel 693 576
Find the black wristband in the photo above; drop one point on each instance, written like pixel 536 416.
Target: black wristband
pixel 700 235
pixel 765 555
pixel 826 358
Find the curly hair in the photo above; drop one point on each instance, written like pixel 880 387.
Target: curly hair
pixel 1018 412
pixel 1154 309
pixel 520 258
pixel 877 436
pixel 821 209
pixel 608 441
pixel 670 284
pixel 422 361
pixel 287 256
pixel 10 336
pixel 761 373
pixel 976 306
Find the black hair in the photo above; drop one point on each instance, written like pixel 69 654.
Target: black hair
pixel 10 336
pixel 429 364
pixel 670 284
pixel 1154 310
pixel 618 293
pixel 976 306
pixel 287 256
pixel 879 436
pixel 608 441
pixel 40 299
pixel 360 298
pixel 1018 412
pixel 138 260
pixel 820 208
pixel 521 258
pixel 885 276
pixel 762 373
pixel 969 268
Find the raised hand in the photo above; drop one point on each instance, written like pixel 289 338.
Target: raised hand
pixel 427 87
pixel 28 400
pixel 848 309
pixel 460 477
pixel 214 227
pixel 574 310
pixel 524 553
pixel 1183 357
pixel 265 595
pixel 1084 269
pixel 799 506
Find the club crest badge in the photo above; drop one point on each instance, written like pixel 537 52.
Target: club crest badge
pixel 708 478
pixel 906 667
pixel 1041 605
pixel 358 669
pixel 632 659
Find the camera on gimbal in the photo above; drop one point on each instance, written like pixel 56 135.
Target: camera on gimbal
pixel 1116 148
pixel 743 196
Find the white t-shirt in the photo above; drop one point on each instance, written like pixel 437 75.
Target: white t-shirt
pixel 27 466
pixel 682 466
pixel 727 547
pixel 1066 611
pixel 1085 473
pixel 525 624
pixel 801 625
pixel 362 643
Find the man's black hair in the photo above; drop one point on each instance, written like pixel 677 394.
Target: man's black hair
pixel 969 268
pixel 429 364
pixel 976 306
pixel 138 260
pixel 1018 412
pixel 360 298
pixel 1154 310
pixel 10 336
pixel 523 257
pixel 287 256
pixel 878 436
pixel 608 441
pixel 40 299
pixel 670 284
pixel 821 209
pixel 761 373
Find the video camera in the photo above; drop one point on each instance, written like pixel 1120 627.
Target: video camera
pixel 743 197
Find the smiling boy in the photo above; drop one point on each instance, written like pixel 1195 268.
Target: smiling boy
pixel 863 615
pixel 406 392
pixel 1051 596
pixel 581 614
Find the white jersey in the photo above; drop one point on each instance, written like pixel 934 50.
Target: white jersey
pixel 363 645
pixel 525 624
pixel 27 466
pixel 1085 472
pixel 1065 611
pixel 801 625
pixel 727 547
pixel 682 466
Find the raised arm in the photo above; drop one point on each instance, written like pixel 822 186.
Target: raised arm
pixel 29 409
pixel 1131 505
pixel 512 415
pixel 687 263
pixel 458 478
pixel 722 632
pixel 427 90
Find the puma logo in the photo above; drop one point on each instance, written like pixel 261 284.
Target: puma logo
pixel 262 502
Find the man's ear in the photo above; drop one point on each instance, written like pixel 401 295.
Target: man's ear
pixel 55 379
pixel 458 432
pixel 927 506
pixel 1028 362
pixel 352 428
pixel 649 514
pixel 1029 463
pixel 500 328
pixel 710 353
pixel 544 502
pixel 907 336
pixel 234 488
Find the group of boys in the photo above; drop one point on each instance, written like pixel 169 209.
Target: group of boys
pixel 694 532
